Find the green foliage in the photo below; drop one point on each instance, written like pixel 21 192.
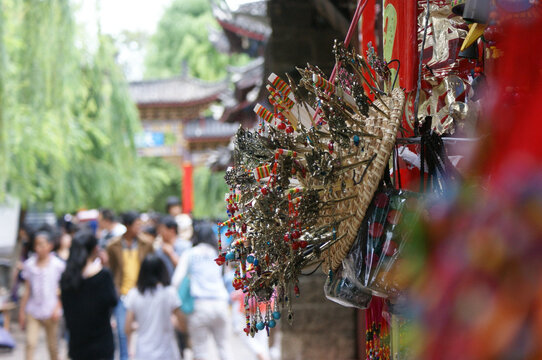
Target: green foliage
pixel 169 183
pixel 209 191
pixel 70 135
pixel 3 142
pixel 182 37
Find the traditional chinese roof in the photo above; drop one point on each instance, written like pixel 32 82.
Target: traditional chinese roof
pixel 180 90
pixel 238 104
pixel 208 129
pixel 247 75
pixel 245 18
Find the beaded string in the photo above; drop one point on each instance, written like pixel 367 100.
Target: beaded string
pixel 247 316
pixel 220 239
pixel 261 126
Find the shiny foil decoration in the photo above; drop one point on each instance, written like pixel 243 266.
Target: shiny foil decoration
pixel 445 76
pixel 444 37
pixel 440 101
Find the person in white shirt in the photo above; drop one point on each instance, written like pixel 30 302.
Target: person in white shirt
pixel 211 317
pixel 151 305
pixel 170 249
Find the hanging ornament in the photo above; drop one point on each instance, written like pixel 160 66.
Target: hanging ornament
pixel 301 188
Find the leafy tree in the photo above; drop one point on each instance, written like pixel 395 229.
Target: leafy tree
pixel 3 142
pixel 67 122
pixel 170 182
pixel 209 191
pixel 182 37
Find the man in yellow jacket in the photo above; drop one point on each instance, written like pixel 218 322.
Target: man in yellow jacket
pixel 124 256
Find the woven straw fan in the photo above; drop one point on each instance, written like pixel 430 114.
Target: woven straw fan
pixel 303 181
pixel 379 149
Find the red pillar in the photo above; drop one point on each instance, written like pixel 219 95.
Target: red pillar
pixel 188 188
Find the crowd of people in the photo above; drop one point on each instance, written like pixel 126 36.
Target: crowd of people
pixel 98 285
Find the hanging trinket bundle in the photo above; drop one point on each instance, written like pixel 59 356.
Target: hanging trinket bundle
pixel 301 183
pixel 378 342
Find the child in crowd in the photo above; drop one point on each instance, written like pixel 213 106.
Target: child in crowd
pixel 124 255
pixel 151 305
pixel 40 305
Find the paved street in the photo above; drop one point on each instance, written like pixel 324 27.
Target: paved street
pixel 18 352
pixel 238 346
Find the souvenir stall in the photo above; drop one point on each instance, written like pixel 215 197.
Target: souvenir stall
pixel 343 167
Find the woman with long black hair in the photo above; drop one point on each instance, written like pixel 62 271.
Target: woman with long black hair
pixel 88 296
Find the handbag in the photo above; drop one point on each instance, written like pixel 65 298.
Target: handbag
pixel 187 301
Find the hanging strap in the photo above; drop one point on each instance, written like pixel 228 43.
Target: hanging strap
pixel 441 172
pixel 387 178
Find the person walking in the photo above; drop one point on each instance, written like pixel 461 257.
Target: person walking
pixel 88 297
pixel 172 246
pixel 173 206
pixel 184 221
pixel 210 317
pixel 151 305
pixel 125 254
pixel 108 227
pixel 170 250
pixel 64 245
pixel 40 305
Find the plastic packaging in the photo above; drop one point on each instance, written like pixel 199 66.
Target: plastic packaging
pixel 345 291
pixel 374 256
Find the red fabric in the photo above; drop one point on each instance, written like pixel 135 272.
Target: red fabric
pixel 368 27
pixel 513 104
pixel 188 188
pixel 410 178
pixel 367 34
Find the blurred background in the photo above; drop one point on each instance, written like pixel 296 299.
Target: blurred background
pixel 124 104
